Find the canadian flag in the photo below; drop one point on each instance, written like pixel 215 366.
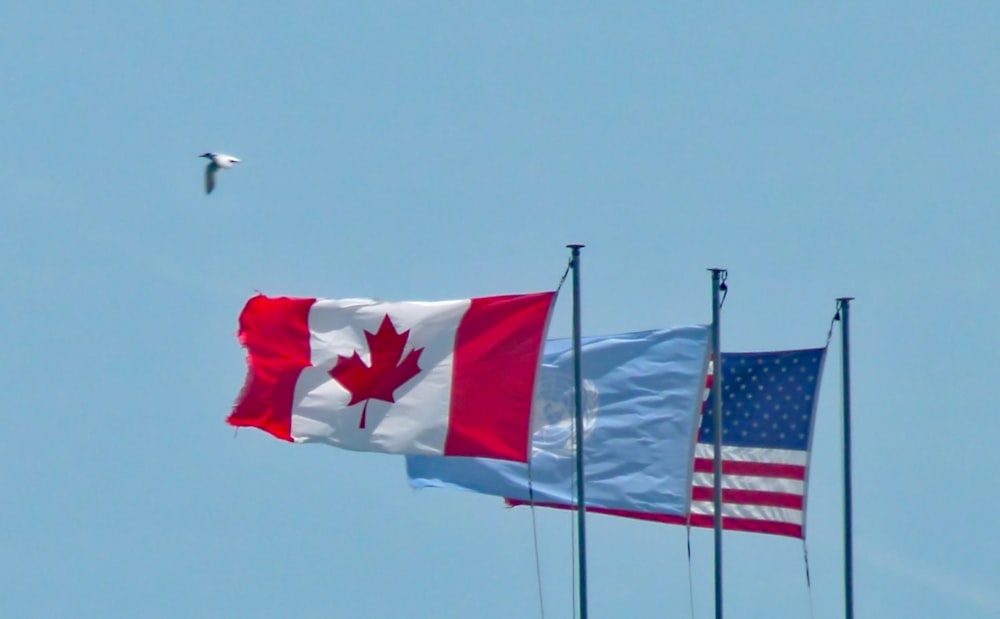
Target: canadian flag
pixel 451 378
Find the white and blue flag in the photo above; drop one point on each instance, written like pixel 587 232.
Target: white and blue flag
pixel 642 399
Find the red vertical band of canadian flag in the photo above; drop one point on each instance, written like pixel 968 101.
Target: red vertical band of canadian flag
pixel 432 378
pixel 275 333
pixel 498 336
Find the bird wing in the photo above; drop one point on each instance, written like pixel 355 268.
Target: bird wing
pixel 210 171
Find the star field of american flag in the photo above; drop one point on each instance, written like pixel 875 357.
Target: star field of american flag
pixel 768 405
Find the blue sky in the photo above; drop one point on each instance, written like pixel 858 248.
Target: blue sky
pixel 440 150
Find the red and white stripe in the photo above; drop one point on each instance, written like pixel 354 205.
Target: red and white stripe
pixel 763 490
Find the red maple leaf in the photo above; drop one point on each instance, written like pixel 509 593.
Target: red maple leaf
pixel 386 373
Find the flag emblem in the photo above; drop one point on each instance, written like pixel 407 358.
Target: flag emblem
pixel 388 370
pixel 554 424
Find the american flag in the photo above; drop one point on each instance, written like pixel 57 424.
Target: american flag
pixel 768 408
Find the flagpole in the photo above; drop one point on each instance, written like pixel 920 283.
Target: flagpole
pixel 581 505
pixel 718 275
pixel 843 308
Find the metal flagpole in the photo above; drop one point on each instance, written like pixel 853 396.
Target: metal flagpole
pixel 843 308
pixel 718 275
pixel 581 505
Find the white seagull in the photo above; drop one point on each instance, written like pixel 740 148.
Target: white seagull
pixel 216 161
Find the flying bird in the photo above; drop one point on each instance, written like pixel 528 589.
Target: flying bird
pixel 216 161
